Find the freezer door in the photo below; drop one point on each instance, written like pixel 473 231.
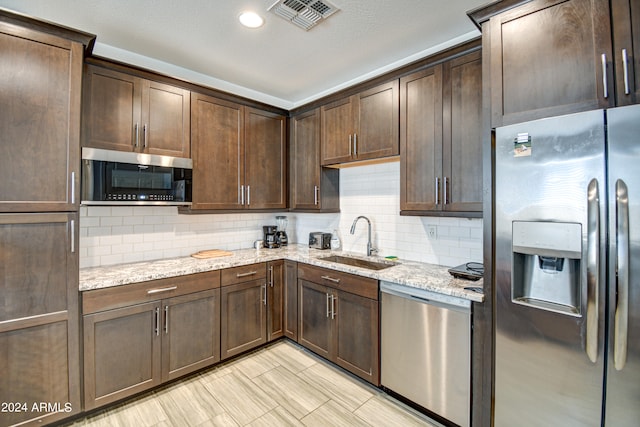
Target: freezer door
pixel 622 407
pixel 549 325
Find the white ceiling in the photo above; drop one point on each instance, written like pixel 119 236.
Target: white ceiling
pixel 278 63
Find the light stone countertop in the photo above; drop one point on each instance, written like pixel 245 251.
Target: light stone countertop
pixel 430 277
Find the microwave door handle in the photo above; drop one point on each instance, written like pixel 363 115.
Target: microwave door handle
pixel 593 269
pixel 621 314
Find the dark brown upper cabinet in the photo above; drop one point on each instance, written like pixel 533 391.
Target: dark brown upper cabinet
pixel 549 58
pixel 128 113
pixel 313 187
pixel 625 16
pixel 361 127
pixel 41 77
pixel 441 139
pixel 239 156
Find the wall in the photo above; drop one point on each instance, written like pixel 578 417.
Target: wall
pixel 113 235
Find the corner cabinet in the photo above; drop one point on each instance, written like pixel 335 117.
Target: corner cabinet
pixel 361 127
pixel 141 335
pixel 441 139
pixel 239 156
pixel 313 188
pixel 128 113
pixel 338 319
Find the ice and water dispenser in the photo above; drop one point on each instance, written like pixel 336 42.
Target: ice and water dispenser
pixel 546 265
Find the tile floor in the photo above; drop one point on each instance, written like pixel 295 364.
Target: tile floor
pixel 279 385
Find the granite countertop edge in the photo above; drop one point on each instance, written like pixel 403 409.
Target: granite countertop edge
pixel 414 274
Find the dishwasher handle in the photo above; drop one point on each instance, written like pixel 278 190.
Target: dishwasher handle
pixel 426 297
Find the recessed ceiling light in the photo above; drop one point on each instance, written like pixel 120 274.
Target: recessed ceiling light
pixel 251 19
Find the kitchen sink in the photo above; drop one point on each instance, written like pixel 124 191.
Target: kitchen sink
pixel 358 262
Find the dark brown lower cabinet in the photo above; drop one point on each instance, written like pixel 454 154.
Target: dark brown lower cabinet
pixel 275 300
pixel 135 347
pixel 291 300
pixel 39 328
pixel 340 325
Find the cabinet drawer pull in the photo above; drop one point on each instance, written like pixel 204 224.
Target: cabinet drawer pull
pixel 159 290
pixel 331 279
pixel 625 69
pixel 251 273
pixel 605 90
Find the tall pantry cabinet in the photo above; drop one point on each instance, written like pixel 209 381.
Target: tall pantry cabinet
pixel 40 80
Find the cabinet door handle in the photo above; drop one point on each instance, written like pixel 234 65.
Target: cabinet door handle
pixel 248 195
pixel 331 279
pixel 166 319
pixel 328 308
pixel 333 306
pixel 73 188
pixel 355 144
pixel 264 294
pixel 315 195
pixel 437 190
pixel 625 69
pixel 605 90
pixel 242 195
pixel 136 140
pixel 160 290
pixel 250 273
pixel 350 145
pixel 144 136
pixel 271 276
pixel 73 236
pixel 157 321
pixel 446 181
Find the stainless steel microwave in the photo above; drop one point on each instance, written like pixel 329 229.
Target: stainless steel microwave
pixel 123 178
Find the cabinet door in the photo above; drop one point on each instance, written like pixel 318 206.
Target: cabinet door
pixel 462 134
pixel 166 119
pixel 291 300
pixel 626 39
pixel 356 335
pixel 547 60
pixel 39 330
pixel 421 140
pixel 275 300
pixel 314 331
pixel 243 317
pixel 190 333
pixel 338 127
pixel 217 136
pixel 305 160
pixel 265 160
pixel 111 110
pixel 41 82
pixel 377 118
pixel 121 353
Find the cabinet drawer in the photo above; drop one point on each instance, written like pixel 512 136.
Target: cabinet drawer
pixel 347 282
pixel 153 290
pixel 231 276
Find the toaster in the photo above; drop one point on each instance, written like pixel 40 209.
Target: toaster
pixel 319 240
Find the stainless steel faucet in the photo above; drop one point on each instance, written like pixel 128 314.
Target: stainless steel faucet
pixel 370 248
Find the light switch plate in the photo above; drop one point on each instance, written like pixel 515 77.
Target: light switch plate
pixel 432 231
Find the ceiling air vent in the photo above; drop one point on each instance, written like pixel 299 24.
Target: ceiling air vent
pixel 306 14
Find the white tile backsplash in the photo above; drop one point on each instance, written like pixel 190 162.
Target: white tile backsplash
pixel 113 235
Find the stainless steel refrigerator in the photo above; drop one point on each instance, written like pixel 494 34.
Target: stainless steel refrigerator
pixel 567 259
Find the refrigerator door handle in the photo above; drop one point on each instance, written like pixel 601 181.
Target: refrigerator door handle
pixel 593 269
pixel 621 316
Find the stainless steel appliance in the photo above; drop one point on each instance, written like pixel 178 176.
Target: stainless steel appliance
pixel 269 232
pixel 118 177
pixel 567 257
pixel 425 349
pixel 281 234
pixel 319 240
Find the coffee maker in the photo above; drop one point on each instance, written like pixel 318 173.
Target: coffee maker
pixel 281 234
pixel 270 240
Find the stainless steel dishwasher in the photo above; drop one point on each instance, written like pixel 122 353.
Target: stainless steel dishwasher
pixel 425 349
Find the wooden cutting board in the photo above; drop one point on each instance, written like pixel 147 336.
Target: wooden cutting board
pixel 211 253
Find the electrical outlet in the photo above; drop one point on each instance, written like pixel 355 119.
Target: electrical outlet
pixel 432 231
